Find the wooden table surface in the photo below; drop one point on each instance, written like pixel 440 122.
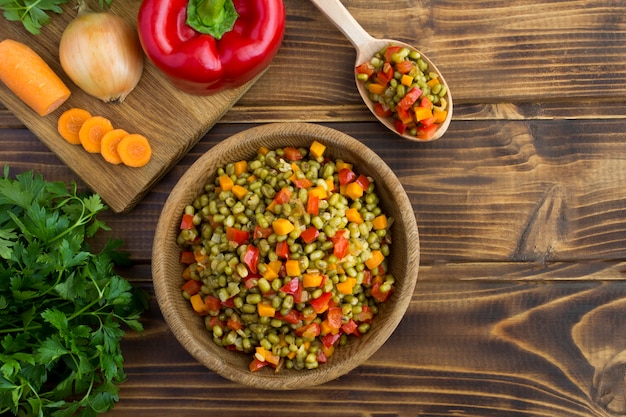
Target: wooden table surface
pixel 520 306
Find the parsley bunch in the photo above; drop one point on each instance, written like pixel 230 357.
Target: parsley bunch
pixel 34 14
pixel 61 306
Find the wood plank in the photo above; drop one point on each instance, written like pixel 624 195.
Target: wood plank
pixel 473 342
pixel 533 51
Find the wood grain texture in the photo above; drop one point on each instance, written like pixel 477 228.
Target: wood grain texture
pixel 173 121
pixel 519 307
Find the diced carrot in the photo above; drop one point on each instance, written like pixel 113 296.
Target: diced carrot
pixel 30 78
pixel 433 82
pixel 134 150
pixel 241 167
pixel 292 267
pixel 282 226
pixel 353 190
pixel 226 183
pixel 265 310
pixel 92 131
pixel 273 268
pixel 319 191
pixel 379 222
pixel 440 115
pixel 346 286
pixel 422 113
pixel 109 144
pixel 198 304
pixel 69 124
pixel 312 279
pixel 317 149
pixel 375 88
pixel 239 191
pixel 354 216
pixel 375 260
pixel 340 164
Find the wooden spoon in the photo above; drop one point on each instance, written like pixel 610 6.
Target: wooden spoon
pixel 366 46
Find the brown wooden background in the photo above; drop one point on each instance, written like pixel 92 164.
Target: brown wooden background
pixel 520 307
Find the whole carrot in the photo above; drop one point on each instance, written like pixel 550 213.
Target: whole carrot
pixel 25 73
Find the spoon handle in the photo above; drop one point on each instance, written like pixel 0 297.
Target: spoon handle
pixel 345 22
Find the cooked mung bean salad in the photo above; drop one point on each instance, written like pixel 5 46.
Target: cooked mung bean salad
pixel 286 256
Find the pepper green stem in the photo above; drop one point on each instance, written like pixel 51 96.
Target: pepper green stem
pixel 213 17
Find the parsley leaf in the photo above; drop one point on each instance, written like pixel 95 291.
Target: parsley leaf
pixel 63 308
pixel 34 14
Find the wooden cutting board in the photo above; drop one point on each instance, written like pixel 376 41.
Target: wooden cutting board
pixel 172 120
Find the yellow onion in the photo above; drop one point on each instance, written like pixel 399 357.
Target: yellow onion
pixel 101 54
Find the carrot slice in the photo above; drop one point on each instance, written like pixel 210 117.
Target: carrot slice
pixel 109 143
pixel 92 131
pixel 70 122
pixel 134 150
pixel 30 78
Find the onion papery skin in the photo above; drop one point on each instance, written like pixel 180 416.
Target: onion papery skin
pixel 100 52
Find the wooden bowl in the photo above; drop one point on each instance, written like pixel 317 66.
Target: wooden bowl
pixel 189 329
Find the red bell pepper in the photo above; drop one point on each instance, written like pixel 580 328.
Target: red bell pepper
pixel 237 235
pixel 205 46
pixel 251 258
pixel 186 222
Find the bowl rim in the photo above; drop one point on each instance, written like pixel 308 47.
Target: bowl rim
pixel 169 301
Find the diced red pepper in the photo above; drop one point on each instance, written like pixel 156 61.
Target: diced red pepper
pixel 282 249
pixel 334 317
pixel 310 234
pixel 293 317
pixel 426 133
pixel 212 304
pixel 256 364
pixel 366 315
pixel 309 331
pixel 409 98
pixel 321 356
pixel 192 287
pixel 187 257
pixel 215 321
pixel 330 339
pixel 365 68
pixel 378 294
pixel 363 181
pixel 251 258
pixel 390 50
pixel 385 74
pixel 237 235
pixel 313 205
pixel 349 327
pixel 399 126
pixel 293 287
pixel 426 103
pixel 303 183
pixel 292 153
pixel 234 324
pixel 346 176
pixel 382 111
pixel 405 117
pixel 367 277
pixel 251 281
pixel 262 232
pixel 341 245
pixel 283 196
pixel 230 302
pixel 320 303
pixel 186 222
pixel 404 67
